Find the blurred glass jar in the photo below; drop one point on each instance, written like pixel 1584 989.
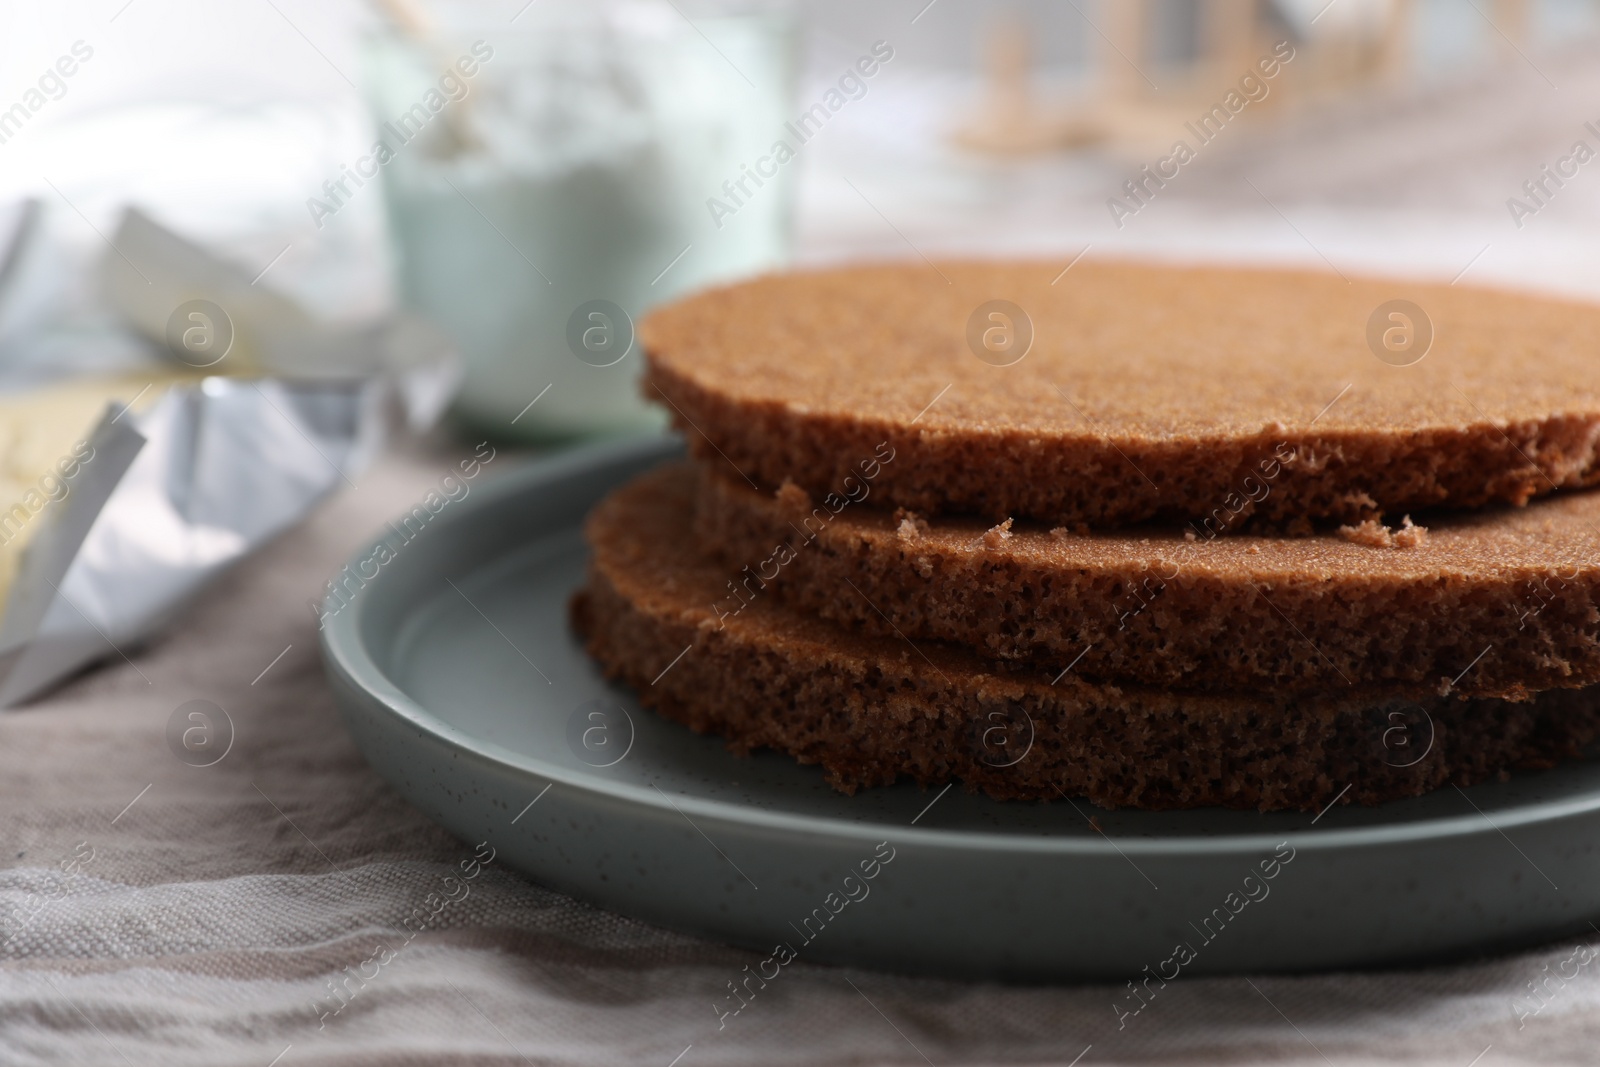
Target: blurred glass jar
pixel 550 180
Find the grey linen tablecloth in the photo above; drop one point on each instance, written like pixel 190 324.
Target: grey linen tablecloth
pixel 156 912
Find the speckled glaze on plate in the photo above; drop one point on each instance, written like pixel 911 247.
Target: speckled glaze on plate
pixel 460 680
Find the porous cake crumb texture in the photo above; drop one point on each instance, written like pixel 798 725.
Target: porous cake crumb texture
pixel 1228 613
pixel 871 710
pixel 1120 413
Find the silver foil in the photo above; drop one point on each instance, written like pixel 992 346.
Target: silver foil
pixel 214 469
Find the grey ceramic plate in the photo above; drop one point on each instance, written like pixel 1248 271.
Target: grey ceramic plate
pixel 460 680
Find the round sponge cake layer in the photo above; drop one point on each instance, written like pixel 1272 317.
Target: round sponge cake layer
pixel 1147 392
pixel 1487 603
pixel 871 710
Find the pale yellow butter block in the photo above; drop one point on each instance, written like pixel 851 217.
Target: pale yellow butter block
pixel 45 451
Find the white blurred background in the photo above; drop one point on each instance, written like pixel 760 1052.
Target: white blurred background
pixel 1394 154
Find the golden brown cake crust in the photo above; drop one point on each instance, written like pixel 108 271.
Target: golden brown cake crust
pixel 1513 594
pixel 871 710
pixel 1149 392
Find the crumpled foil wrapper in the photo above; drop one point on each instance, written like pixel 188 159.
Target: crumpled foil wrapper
pixel 213 470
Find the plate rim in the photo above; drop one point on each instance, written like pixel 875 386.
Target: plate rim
pixel 346 655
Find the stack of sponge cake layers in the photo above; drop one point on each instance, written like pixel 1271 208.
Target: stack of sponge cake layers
pixel 1159 537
